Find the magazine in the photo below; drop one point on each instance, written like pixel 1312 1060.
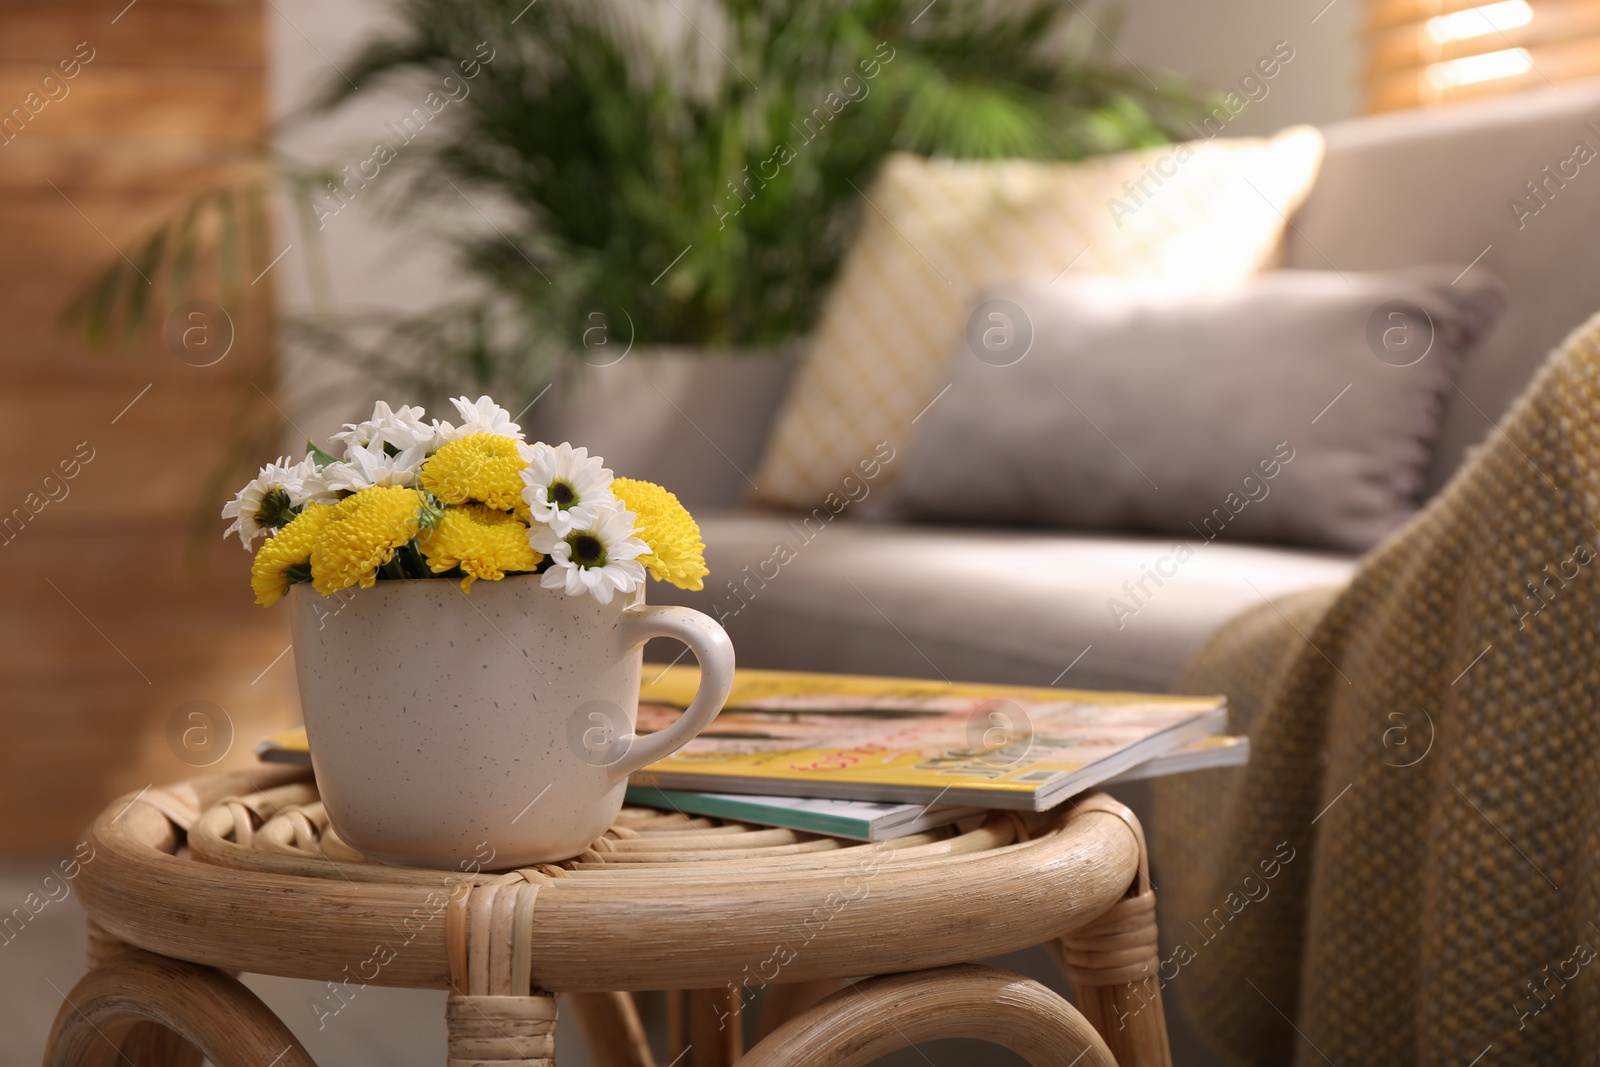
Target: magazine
pixel 865 820
pixel 915 741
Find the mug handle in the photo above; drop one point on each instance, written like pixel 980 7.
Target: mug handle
pixel 710 645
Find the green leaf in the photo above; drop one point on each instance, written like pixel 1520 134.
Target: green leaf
pixel 185 245
pixel 318 456
pixel 141 286
pixel 229 261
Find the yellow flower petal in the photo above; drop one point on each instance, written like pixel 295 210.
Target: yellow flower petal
pixel 362 535
pixel 677 554
pixel 290 547
pixel 481 541
pixel 482 468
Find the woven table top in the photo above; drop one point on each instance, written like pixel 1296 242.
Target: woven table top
pixel 243 872
pixel 285 830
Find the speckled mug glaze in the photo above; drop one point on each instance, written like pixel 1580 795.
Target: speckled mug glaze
pixel 445 724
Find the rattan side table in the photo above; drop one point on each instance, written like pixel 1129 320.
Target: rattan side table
pixel 242 873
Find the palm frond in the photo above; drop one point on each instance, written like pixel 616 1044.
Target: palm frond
pixel 690 166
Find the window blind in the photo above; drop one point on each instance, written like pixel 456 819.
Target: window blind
pixel 1424 52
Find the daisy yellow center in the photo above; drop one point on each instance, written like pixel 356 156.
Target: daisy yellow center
pixel 677 554
pixel 482 468
pixel 483 542
pixel 587 550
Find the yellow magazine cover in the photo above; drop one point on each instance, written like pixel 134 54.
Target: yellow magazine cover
pixel 918 741
pixel 908 740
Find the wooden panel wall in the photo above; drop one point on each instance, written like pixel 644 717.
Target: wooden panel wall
pixel 111 621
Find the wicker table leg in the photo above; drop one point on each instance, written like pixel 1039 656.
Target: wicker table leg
pixel 496 1018
pixel 1112 966
pixel 501 1031
pixel 705 1027
pixel 862 1022
pixel 207 1009
pixel 789 999
pixel 613 1033
pixel 147 1044
pixel 1113 962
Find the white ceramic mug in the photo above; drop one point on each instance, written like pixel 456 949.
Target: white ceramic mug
pixel 444 725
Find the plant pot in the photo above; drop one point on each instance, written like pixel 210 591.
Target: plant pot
pixel 692 419
pixel 494 727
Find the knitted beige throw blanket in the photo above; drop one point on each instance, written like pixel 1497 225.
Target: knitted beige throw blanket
pixel 1408 871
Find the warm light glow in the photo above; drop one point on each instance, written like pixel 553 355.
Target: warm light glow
pixel 1506 63
pixel 1477 21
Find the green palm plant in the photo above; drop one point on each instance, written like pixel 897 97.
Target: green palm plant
pixel 689 171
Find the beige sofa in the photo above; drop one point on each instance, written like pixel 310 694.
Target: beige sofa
pixel 840 593
pixel 1024 606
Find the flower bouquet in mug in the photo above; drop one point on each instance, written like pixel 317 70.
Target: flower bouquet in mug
pixel 410 498
pixel 445 715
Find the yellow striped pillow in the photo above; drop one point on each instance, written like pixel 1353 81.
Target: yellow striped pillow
pixel 934 233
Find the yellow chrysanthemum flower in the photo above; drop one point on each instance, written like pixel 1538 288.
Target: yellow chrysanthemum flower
pixel 288 549
pixel 481 541
pixel 481 468
pixel 677 555
pixel 362 535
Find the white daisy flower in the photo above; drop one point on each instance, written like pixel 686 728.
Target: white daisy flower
pixel 398 430
pixel 480 416
pixel 267 503
pixel 370 465
pixel 566 487
pixel 599 557
pixel 314 487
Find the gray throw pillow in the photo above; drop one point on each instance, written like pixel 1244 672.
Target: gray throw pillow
pixel 1299 408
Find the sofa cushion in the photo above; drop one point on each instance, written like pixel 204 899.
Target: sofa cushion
pixel 1016 607
pixel 933 233
pixel 1275 412
pixel 1502 183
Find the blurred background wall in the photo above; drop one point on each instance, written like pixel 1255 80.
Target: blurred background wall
pixel 115 633
pixel 1217 44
